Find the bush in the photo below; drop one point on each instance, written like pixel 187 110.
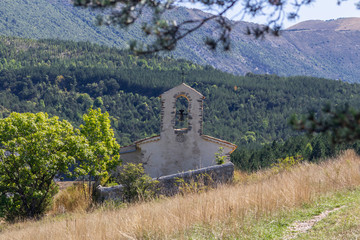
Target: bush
pixel 136 184
pixel 220 157
pixel 197 184
pixel 284 164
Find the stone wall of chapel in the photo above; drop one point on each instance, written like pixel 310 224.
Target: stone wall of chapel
pixel 178 150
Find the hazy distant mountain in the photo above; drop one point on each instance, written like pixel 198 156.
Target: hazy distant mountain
pixel 318 48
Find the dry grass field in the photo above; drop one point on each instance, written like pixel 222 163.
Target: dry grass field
pixel 223 213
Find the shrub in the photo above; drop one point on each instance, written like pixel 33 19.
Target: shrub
pixel 220 157
pixel 136 184
pixel 196 184
pixel 284 164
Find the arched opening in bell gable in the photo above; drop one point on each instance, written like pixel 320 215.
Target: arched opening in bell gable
pixel 181 113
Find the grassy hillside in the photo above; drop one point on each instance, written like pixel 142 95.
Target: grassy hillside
pixel 263 205
pixel 331 52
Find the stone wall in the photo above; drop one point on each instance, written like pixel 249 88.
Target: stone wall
pixel 213 175
pixel 169 185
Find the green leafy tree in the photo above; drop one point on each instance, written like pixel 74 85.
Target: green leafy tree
pixel 136 184
pixel 97 130
pixel 98 102
pixel 249 137
pixel 34 149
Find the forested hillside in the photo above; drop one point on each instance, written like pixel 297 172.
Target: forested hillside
pixel 314 48
pixel 65 78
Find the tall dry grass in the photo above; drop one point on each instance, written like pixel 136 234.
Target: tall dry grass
pixel 73 198
pixel 257 195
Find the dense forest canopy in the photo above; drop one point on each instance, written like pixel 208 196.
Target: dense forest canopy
pixel 65 78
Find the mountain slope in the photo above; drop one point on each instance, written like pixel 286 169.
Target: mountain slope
pixel 316 48
pixel 55 19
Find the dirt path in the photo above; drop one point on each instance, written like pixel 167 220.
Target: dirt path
pixel 304 226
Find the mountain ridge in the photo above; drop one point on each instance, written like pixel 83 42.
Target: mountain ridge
pixel 328 53
pixel 340 24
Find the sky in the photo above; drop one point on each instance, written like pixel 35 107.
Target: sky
pixel 319 10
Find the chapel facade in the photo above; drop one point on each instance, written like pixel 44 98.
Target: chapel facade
pixel 181 145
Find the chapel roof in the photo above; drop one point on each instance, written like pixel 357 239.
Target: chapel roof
pixel 205 137
pixel 220 142
pixel 182 87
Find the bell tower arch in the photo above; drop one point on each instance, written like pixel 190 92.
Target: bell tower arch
pixel 172 114
pixel 181 113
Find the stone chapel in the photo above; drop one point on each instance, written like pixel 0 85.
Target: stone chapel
pixel 181 145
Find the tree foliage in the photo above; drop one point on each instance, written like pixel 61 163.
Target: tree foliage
pixel 285 164
pixel 105 150
pixel 34 150
pixel 136 185
pixel 312 149
pixel 341 123
pixel 166 32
